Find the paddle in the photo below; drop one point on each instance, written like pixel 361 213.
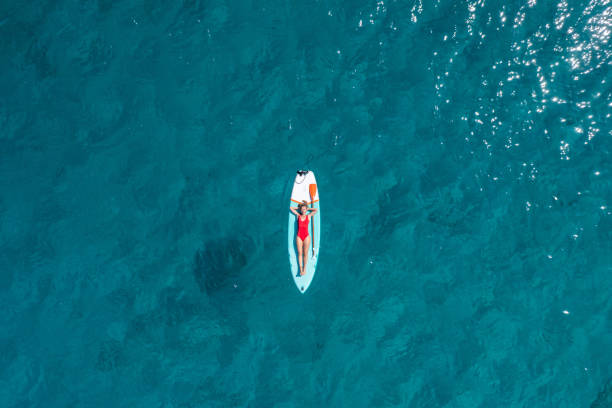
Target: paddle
pixel 312 188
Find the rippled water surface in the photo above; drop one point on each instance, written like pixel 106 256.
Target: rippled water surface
pixel 462 150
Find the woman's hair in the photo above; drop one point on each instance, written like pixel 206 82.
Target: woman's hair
pixel 302 204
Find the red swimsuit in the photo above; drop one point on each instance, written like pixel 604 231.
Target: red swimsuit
pixel 302 228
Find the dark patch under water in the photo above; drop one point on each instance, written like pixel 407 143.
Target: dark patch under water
pixel 218 264
pixel 604 398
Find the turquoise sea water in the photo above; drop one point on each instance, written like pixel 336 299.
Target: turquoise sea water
pixel 462 150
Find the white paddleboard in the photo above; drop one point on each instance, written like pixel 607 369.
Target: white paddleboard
pixel 301 191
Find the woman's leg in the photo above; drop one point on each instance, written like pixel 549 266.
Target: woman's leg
pixel 305 251
pixel 298 243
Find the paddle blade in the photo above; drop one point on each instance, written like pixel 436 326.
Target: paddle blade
pixel 313 191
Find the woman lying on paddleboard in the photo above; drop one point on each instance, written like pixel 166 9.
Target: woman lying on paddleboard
pixel 303 237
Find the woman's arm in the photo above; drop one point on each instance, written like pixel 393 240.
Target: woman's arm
pixel 292 209
pixel 314 211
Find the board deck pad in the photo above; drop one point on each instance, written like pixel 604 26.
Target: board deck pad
pixel 301 192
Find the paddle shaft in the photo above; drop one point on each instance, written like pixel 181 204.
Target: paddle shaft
pixel 313 191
